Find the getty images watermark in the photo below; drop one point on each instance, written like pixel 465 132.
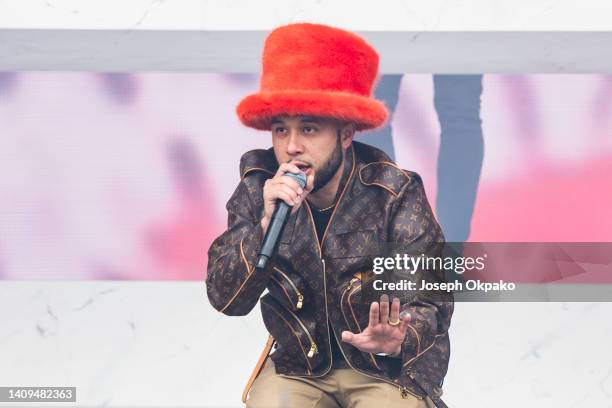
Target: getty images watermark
pixel 404 263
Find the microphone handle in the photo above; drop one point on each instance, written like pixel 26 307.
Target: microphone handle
pixel 275 229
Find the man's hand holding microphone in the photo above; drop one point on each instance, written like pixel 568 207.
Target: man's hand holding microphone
pixel 286 188
pixel 283 194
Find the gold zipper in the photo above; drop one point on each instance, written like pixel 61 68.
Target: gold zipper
pixel 327 322
pixel 300 297
pixel 313 346
pixel 309 368
pixel 348 290
pixel 320 246
pixel 314 228
pixel 280 285
pixel 404 392
pixel 350 285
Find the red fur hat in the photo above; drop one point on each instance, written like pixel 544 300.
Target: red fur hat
pixel 313 69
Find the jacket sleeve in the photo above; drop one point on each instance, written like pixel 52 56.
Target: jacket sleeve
pixel 425 351
pixel 232 283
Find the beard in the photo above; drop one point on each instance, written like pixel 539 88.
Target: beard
pixel 329 169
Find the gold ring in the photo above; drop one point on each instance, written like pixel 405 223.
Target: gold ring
pixel 395 323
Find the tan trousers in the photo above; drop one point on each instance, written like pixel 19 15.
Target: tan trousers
pixel 340 388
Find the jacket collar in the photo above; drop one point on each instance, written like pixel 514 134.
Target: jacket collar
pixel 256 160
pixel 349 169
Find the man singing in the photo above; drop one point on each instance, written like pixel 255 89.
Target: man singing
pixel 330 351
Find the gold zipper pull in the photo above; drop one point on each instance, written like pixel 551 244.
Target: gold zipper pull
pixel 406 393
pixel 300 301
pixel 313 350
pixel 350 285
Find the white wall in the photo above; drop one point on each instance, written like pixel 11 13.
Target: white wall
pixel 226 36
pixel 160 344
pixel 360 15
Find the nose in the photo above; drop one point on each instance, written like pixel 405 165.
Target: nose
pixel 294 144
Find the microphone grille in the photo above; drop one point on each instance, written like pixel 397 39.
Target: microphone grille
pixel 299 177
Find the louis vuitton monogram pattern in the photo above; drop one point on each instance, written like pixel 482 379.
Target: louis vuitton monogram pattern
pixel 378 202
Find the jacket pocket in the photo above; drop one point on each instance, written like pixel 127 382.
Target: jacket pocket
pixel 352 314
pixel 354 244
pixel 293 335
pixel 287 291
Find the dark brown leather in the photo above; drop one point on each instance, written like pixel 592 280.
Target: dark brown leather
pixel 377 201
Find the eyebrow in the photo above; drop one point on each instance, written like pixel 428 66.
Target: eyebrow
pixel 309 119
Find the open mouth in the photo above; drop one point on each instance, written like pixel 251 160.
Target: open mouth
pixel 304 168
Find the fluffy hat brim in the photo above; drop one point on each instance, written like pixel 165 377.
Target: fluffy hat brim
pixel 257 110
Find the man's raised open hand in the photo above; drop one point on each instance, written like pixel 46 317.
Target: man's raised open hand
pixel 385 332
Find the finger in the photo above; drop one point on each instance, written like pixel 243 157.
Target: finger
pixel 285 188
pixel 288 196
pixel 374 315
pixel 406 319
pixel 357 341
pixel 384 309
pixel 289 182
pixel 348 337
pixel 287 167
pixel 404 315
pixel 360 342
pixel 298 204
pixel 395 309
pixel 310 182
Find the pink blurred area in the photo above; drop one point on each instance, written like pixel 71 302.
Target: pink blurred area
pixel 125 176
pixel 570 203
pixel 547 169
pixel 116 176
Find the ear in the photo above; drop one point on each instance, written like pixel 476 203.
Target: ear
pixel 347 132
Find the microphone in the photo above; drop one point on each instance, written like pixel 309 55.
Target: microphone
pixel 277 225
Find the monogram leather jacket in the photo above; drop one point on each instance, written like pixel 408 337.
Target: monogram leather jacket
pixel 309 283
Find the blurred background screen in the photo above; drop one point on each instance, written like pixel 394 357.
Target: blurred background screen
pixel 126 176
